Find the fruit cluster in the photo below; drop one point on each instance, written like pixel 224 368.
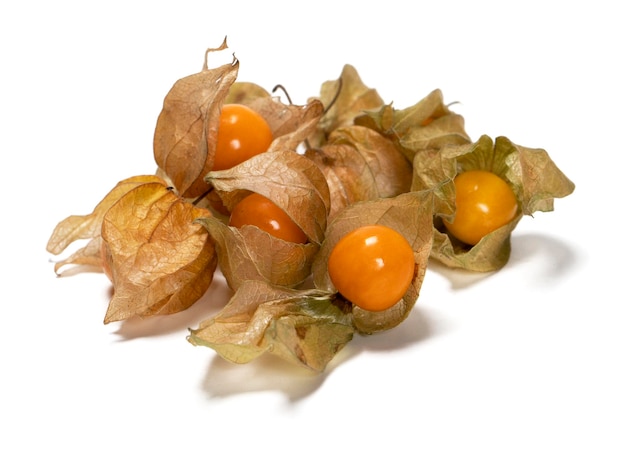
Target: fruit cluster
pixel 321 217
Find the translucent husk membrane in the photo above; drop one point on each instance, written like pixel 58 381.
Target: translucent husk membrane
pixel 533 176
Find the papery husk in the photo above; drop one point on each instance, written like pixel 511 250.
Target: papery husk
pixel 291 124
pixel 186 128
pixel 88 227
pixel 429 124
pixel 490 254
pixel 290 180
pixel 159 260
pixel 297 186
pixel 344 99
pixel 249 253
pixel 347 175
pixel 533 176
pixel 245 93
pixel 410 214
pixel 359 164
pixel 304 327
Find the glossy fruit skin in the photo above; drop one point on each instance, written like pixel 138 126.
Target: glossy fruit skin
pixel 372 267
pixel 242 134
pixel 484 203
pixel 258 210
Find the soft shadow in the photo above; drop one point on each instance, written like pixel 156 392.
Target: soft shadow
pixel 269 373
pixel 415 329
pixel 550 258
pixel 265 374
pixel 458 278
pixel 209 304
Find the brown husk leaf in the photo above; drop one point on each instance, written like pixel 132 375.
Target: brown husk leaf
pixel 359 164
pixel 287 178
pixel 344 98
pixel 304 327
pixel 429 124
pixel 186 129
pixel 411 215
pixel 534 177
pixel 249 253
pixel 290 124
pixel 245 93
pixel 297 186
pixel 161 262
pixel 82 227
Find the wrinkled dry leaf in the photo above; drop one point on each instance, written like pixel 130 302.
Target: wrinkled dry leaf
pixel 538 178
pixel 161 262
pixel 297 186
pixel 87 256
pixel 411 215
pixel 490 254
pixel 186 129
pixel 245 93
pixel 347 175
pixel 428 124
pixel 304 327
pixel 344 98
pixel 534 177
pixel 81 227
pixel 287 178
pixel 291 125
pixel 250 253
pixel 359 164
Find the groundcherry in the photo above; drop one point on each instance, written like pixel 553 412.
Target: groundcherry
pixel 242 134
pixel 484 203
pixel 372 267
pixel 261 212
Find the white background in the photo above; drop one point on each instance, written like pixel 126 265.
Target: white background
pixel 530 357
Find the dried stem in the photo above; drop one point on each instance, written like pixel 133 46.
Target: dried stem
pixel 282 88
pixel 201 197
pixel 332 102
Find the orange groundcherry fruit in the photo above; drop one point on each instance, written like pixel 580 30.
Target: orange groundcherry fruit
pixel 372 267
pixel 484 203
pixel 261 212
pixel 242 134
